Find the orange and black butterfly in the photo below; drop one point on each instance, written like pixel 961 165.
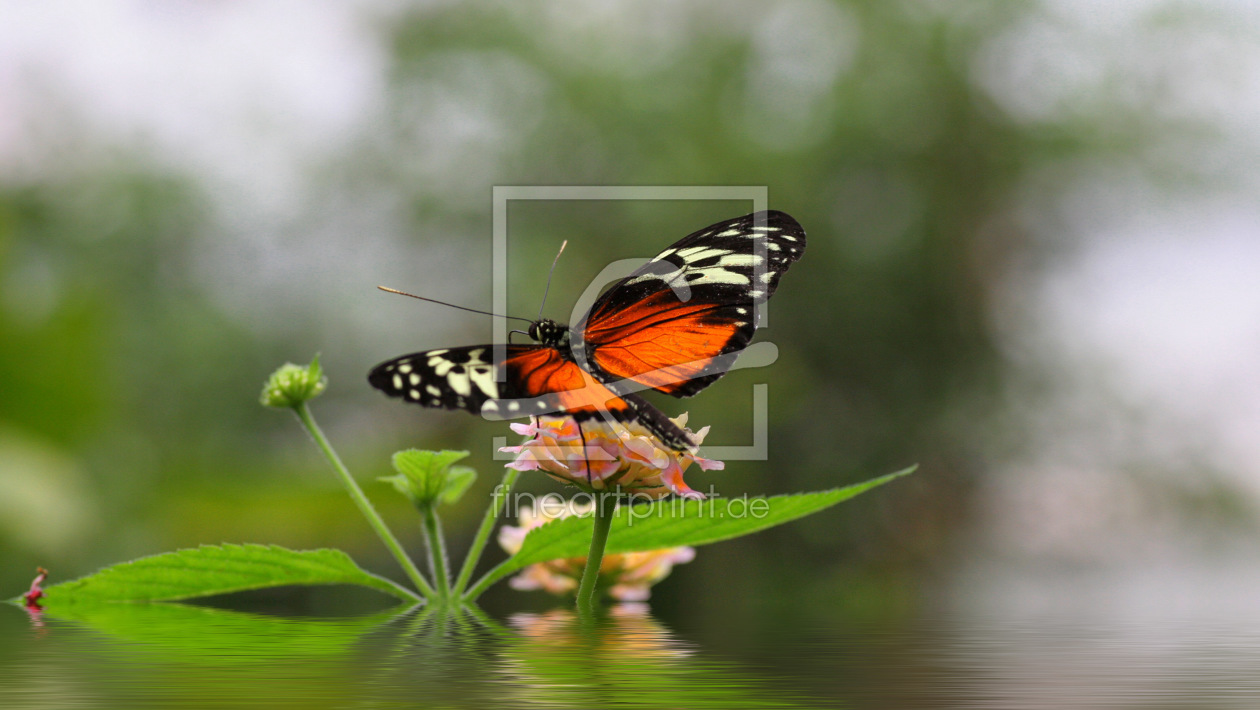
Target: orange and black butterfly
pixel 674 325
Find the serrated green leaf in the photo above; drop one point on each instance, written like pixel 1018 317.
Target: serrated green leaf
pixel 216 569
pixel 423 476
pixel 457 482
pixel 673 523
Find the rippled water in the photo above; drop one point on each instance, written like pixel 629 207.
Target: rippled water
pixel 172 656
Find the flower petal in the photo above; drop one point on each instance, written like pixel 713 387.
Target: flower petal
pixel 709 464
pixel 673 480
pixel 530 430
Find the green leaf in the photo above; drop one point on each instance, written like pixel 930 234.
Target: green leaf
pixel 215 569
pixel 427 477
pixel 457 483
pixel 673 523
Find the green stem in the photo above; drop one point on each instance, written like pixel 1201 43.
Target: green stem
pixel 497 503
pixel 437 550
pixel 599 540
pixel 365 506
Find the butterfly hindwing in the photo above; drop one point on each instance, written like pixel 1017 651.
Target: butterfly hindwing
pixel 675 323
pixel 536 379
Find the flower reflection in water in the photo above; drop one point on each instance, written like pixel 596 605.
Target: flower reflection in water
pixel 627 659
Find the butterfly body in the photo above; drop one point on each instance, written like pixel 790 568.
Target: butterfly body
pixel 673 325
pixel 550 333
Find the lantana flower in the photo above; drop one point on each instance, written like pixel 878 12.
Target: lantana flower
pixel 627 577
pixel 621 455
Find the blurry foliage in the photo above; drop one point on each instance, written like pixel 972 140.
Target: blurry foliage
pixel 861 119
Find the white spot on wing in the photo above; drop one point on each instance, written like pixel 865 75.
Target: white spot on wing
pixel 483 377
pixel 398 384
pixel 460 383
pixel 710 275
pixel 440 365
pixel 739 260
pixel 699 253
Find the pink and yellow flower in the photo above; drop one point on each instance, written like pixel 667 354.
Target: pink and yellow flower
pixel 624 456
pixel 627 577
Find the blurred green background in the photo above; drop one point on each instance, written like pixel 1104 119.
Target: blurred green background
pixel 1031 269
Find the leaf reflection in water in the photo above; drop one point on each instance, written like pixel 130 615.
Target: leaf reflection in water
pixel 129 655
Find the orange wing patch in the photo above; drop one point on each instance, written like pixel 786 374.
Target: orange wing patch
pixel 543 373
pixel 661 342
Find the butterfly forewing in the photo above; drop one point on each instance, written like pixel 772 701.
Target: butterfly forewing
pixel 675 323
pixel 449 378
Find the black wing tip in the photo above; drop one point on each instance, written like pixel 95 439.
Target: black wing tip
pixel 786 223
pixel 382 376
pixel 380 379
pixel 775 216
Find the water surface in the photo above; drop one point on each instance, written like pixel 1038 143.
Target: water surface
pixel 176 656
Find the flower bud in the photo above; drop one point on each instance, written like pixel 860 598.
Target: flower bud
pixel 290 385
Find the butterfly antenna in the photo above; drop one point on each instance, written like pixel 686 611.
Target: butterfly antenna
pixel 547 290
pixel 444 303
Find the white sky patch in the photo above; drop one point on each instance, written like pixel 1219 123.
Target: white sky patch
pixel 252 102
pixel 1175 307
pixel 1134 321
pixel 244 93
pixel 800 49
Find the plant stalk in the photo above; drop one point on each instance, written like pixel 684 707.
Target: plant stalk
pixel 604 510
pixel 365 506
pixel 437 551
pixel 497 503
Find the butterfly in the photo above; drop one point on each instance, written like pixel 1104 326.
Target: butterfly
pixel 673 325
